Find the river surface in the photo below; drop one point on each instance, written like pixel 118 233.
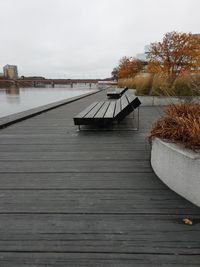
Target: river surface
pixel 15 100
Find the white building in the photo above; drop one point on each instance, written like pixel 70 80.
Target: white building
pixel 143 56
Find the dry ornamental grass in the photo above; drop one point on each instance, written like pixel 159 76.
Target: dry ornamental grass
pixel 180 124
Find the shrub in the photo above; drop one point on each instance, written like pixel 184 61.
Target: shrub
pixel 161 86
pixel 180 124
pixel 129 82
pixel 143 83
pixel 183 86
pixel 195 82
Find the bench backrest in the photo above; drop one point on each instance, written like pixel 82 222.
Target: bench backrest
pixel 123 90
pixel 125 105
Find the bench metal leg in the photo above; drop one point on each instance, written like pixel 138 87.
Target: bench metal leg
pixel 138 118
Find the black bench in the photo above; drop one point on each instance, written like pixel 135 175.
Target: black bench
pixel 117 93
pixel 105 112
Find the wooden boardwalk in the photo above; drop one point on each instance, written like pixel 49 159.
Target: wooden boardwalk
pixel 88 198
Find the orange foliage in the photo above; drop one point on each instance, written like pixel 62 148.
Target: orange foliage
pixel 179 124
pixel 129 67
pixel 177 53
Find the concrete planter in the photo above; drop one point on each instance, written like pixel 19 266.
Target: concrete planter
pixel 178 168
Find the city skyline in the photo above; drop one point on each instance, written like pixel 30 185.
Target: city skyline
pixel 86 39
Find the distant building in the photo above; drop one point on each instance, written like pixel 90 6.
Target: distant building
pixel 146 49
pixel 143 56
pixel 32 78
pixel 10 72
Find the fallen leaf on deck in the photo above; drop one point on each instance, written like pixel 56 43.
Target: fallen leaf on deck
pixel 187 221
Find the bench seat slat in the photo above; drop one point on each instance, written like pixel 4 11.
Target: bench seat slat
pixel 92 112
pixel 117 107
pixel 102 111
pixel 124 101
pixel 131 98
pixel 86 110
pixel 111 110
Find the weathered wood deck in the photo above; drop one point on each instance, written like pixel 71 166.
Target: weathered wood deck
pixel 89 198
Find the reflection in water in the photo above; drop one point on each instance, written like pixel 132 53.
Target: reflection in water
pixel 13 90
pixel 14 100
pixel 13 95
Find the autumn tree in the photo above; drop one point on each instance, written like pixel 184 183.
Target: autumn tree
pixel 115 73
pixel 177 53
pixel 128 67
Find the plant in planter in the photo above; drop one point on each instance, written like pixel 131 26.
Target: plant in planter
pixel 175 155
pixel 180 124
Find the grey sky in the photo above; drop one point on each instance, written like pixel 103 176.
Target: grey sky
pixel 86 38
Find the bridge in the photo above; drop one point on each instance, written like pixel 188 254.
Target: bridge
pixel 39 82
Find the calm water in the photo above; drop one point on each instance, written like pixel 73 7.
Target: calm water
pixel 14 100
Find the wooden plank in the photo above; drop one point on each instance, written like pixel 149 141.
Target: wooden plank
pixel 95 201
pixel 110 224
pixel 71 141
pixel 102 111
pixel 118 107
pixel 93 111
pixel 80 181
pixel 111 110
pixel 96 259
pixel 74 147
pixel 90 137
pixel 131 98
pixel 76 166
pixel 102 243
pixel 86 110
pixel 74 155
pixel 124 102
pixel 75 232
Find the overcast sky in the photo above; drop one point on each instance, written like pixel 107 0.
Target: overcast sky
pixel 86 38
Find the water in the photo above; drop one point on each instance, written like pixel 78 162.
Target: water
pixel 14 100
